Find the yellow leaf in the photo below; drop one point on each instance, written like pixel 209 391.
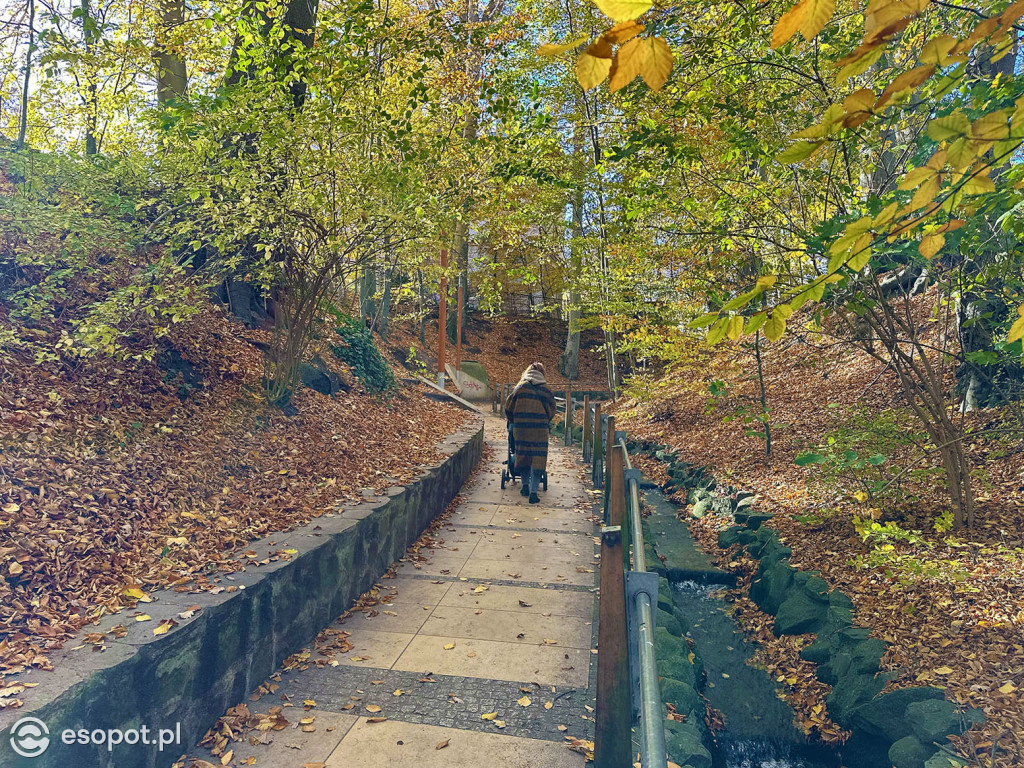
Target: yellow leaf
pixel 735 327
pixel 858 62
pixel 1017 329
pixel 657 63
pixel 480 589
pixel 499 723
pixel 626 65
pixel 944 671
pixel 138 594
pixel 548 704
pixel 979 184
pixel 818 14
pixel 931 245
pixel 885 216
pixel 789 24
pixel 992 127
pixel 623 10
pixel 906 81
pixel 554 49
pixel 1007 688
pixel 524 701
pixel 489 716
pixel 925 193
pixel 163 628
pixel 620 33
pixel 591 70
pixel 858 107
pixel 143 617
pixel 961 153
pixel 449 646
pixel 936 51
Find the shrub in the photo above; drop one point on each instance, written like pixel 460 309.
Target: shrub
pixel 362 356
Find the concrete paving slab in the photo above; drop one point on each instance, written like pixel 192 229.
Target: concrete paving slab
pixel 503 570
pixel 508 626
pixel 544 664
pixel 523 554
pixel 557 602
pixel 293 746
pixel 413 590
pixel 374 648
pixel 395 744
pixel 400 617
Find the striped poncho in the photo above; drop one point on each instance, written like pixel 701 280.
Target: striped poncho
pixel 531 406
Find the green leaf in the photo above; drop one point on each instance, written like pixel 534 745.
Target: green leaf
pixel 704 320
pixel 718 330
pixel 876 460
pixel 755 323
pixel 775 326
pixel 798 152
pixel 951 126
pixel 808 458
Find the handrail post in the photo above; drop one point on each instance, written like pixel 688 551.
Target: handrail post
pixel 586 425
pixel 568 415
pixel 595 451
pixel 613 744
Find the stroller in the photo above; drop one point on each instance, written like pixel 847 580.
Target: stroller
pixel 509 474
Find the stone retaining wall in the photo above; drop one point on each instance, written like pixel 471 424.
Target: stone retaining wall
pixel 184 680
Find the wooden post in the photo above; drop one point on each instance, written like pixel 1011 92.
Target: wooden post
pixel 613 744
pixel 458 333
pixel 616 489
pixel 586 425
pixel 442 318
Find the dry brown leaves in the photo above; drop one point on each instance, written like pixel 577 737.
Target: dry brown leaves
pixel 111 483
pixel 505 346
pixel 962 629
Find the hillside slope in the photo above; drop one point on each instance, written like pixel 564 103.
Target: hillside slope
pixel 949 604
pixel 117 475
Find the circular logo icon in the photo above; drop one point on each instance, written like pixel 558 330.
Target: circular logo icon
pixel 30 737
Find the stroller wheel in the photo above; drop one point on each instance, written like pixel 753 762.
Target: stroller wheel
pixel 504 478
pixel 545 481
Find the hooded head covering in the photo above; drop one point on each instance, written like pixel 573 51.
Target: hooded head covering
pixel 534 374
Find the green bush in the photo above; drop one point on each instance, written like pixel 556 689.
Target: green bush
pixel 358 350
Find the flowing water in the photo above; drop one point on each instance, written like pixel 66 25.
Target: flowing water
pixel 759 730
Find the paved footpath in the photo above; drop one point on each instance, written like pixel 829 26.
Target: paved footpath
pixel 499 614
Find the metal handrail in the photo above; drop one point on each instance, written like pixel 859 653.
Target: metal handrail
pixel 651 709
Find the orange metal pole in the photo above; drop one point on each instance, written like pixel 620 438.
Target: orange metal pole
pixel 458 333
pixel 442 318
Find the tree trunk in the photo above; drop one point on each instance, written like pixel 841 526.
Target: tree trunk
pixel 367 291
pixel 171 76
pixel 23 118
pixel 89 36
pixel 385 305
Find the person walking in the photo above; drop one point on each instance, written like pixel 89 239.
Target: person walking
pixel 530 408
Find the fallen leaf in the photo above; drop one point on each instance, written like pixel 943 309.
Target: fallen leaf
pixel 443 744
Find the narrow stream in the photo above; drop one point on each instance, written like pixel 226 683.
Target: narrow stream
pixel 759 730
